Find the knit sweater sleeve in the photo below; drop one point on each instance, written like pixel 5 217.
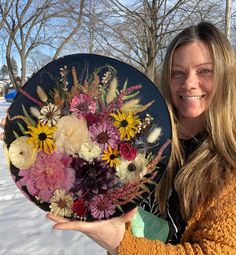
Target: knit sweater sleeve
pixel 211 230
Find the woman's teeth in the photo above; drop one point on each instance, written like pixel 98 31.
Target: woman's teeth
pixel 191 97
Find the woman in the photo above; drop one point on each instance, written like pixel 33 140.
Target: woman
pixel 199 84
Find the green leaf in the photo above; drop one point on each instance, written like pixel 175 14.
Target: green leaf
pixel 120 208
pixel 145 224
pixel 125 85
pixel 33 123
pixel 15 134
pixel 22 129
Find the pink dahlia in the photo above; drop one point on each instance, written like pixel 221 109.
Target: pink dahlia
pixel 47 174
pixel 101 207
pixel 105 134
pixel 82 104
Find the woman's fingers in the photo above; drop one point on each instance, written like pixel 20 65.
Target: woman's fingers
pixel 64 224
pixel 129 216
pixel 3 123
pixel 56 219
pixel 2 136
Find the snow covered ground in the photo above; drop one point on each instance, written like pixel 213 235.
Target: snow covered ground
pixel 24 230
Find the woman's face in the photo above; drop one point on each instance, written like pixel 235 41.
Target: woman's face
pixel 191 83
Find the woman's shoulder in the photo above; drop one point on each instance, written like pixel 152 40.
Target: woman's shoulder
pixel 230 183
pixel 226 196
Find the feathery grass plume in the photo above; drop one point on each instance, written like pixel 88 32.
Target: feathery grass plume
pixel 95 81
pixel 154 135
pixel 58 100
pixel 130 105
pixel 94 86
pixel 75 78
pixel 42 95
pixel 75 89
pixel 34 111
pixel 143 108
pixel 118 101
pixel 157 158
pixel 111 94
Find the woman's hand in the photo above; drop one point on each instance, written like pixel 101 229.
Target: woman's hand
pixel 2 125
pixel 108 234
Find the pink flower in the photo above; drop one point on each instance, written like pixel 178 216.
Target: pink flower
pixel 127 151
pixel 82 104
pixel 105 134
pixel 101 207
pixel 47 174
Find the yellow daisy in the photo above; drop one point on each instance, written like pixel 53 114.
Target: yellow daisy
pixel 42 137
pixel 111 156
pixel 127 123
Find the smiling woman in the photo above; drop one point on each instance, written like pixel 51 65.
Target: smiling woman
pixel 191 85
pixel 197 194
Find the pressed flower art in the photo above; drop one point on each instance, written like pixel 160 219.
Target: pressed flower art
pixel 85 137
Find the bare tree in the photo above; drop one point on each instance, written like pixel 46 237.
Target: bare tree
pixel 228 18
pixel 138 32
pixel 37 60
pixel 78 20
pixel 26 25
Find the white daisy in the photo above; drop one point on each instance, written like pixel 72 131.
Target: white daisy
pixel 61 203
pixel 49 114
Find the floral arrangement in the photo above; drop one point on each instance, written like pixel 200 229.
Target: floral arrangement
pixel 86 150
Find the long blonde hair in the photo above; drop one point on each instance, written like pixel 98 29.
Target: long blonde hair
pixel 208 167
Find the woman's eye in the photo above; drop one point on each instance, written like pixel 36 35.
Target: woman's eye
pixel 177 74
pixel 206 71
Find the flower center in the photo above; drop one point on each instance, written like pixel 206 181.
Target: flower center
pixel 124 123
pixel 101 206
pixel 62 204
pixel 112 156
pixel 83 107
pixel 102 138
pixel 131 167
pixel 49 115
pixel 42 136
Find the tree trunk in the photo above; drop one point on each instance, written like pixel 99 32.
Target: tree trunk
pixel 228 18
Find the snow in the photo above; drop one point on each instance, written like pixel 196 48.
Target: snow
pixel 24 230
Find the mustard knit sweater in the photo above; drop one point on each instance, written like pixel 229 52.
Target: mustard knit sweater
pixel 211 230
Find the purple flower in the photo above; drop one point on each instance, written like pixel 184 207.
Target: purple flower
pixel 49 173
pixel 105 134
pixel 92 178
pixel 101 207
pixel 82 104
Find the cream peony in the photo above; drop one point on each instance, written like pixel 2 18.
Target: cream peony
pixel 22 154
pixel 70 134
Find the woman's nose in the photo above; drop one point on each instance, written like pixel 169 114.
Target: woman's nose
pixel 190 81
